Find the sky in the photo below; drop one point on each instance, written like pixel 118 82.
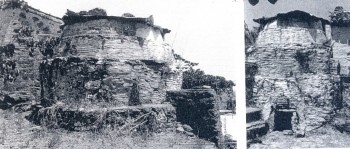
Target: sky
pixel 202 31
pixel 320 8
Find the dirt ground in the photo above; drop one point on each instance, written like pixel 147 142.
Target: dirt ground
pixel 324 137
pixel 17 132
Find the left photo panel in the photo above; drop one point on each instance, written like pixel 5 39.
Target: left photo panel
pixel 118 74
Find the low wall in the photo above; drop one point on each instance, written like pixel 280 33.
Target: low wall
pixel 198 108
pixel 154 118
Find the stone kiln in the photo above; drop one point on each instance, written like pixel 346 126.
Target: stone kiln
pixel 295 27
pixel 290 72
pixel 101 59
pixel 96 72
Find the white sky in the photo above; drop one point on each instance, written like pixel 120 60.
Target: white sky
pixel 203 31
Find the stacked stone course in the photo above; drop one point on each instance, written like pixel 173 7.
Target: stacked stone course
pixel 293 70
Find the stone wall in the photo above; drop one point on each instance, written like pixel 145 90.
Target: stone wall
pixel 341 54
pixel 99 60
pixel 294 73
pixel 23 79
pixel 226 99
pixel 83 82
pixel 150 118
pixel 341 34
pixel 198 108
pixel 114 39
pixel 292 31
pixel 345 90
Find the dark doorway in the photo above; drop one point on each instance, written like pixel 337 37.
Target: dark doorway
pixel 283 120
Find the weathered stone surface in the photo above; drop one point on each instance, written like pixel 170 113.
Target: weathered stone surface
pixel 19 26
pixel 187 128
pixel 295 27
pixel 198 108
pixel 227 99
pixel 115 39
pixel 89 82
pixel 341 34
pixel 125 119
pixel 256 127
pixel 180 129
pixel 341 54
pixel 300 74
pixel 99 60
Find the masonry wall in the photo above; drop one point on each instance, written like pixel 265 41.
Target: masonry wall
pixel 86 83
pixel 341 53
pixel 22 80
pixel 226 99
pixel 300 74
pixel 198 108
pixel 292 31
pixel 341 34
pixel 99 61
pixel 115 39
pixel 160 118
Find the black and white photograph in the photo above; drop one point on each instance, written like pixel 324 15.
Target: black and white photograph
pixel 132 74
pixel 297 73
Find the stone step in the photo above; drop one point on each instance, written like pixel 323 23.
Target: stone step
pixel 253 114
pixel 256 129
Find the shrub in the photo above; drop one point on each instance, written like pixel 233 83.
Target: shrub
pixel 339 17
pixel 196 77
pixel 127 15
pixel 97 12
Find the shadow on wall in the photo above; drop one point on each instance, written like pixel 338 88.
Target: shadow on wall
pixel 198 108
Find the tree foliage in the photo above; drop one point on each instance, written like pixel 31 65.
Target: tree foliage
pixel 339 16
pixel 254 2
pixel 196 77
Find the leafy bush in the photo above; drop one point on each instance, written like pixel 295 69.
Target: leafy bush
pixel 128 15
pixel 97 12
pixel 339 17
pixel 196 77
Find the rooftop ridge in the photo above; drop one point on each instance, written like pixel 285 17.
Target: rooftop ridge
pixel 72 19
pixel 294 13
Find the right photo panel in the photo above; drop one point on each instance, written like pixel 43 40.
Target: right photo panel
pixel 297 73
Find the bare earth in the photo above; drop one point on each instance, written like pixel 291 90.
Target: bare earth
pixel 325 137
